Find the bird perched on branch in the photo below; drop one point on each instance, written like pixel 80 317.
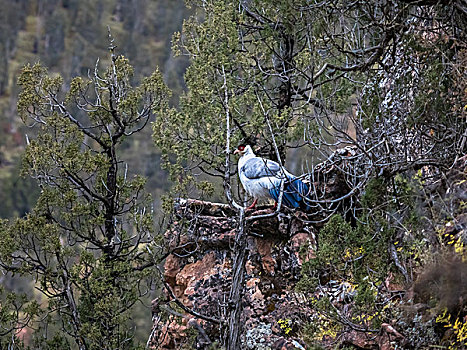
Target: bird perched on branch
pixel 262 178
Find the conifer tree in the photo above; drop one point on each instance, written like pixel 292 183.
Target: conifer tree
pixel 89 242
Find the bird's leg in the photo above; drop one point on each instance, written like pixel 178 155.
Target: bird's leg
pixel 275 206
pixel 253 205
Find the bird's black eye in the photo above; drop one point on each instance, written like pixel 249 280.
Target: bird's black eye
pixel 241 147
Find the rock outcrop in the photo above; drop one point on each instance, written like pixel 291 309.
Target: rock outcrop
pixel 198 277
pixel 199 273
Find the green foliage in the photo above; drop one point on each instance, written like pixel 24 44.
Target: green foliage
pixel 319 328
pixel 17 312
pixel 345 254
pixel 352 262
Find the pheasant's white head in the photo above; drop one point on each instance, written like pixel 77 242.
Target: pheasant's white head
pixel 243 149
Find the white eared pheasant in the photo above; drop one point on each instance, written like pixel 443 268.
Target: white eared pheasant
pixel 261 178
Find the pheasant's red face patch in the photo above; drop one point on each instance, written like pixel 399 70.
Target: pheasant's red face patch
pixel 241 148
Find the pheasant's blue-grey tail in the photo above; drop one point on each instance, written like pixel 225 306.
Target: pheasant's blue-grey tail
pixel 296 194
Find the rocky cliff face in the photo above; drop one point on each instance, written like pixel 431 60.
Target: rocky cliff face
pixel 194 311
pixel 199 275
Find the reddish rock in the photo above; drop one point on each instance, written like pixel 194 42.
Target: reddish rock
pixel 303 239
pixel 171 269
pixel 361 340
pixel 191 274
pixel 264 249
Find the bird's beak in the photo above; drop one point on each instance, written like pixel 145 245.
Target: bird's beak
pixel 236 151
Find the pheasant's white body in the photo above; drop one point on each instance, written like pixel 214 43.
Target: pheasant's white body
pixel 261 178
pixel 258 188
